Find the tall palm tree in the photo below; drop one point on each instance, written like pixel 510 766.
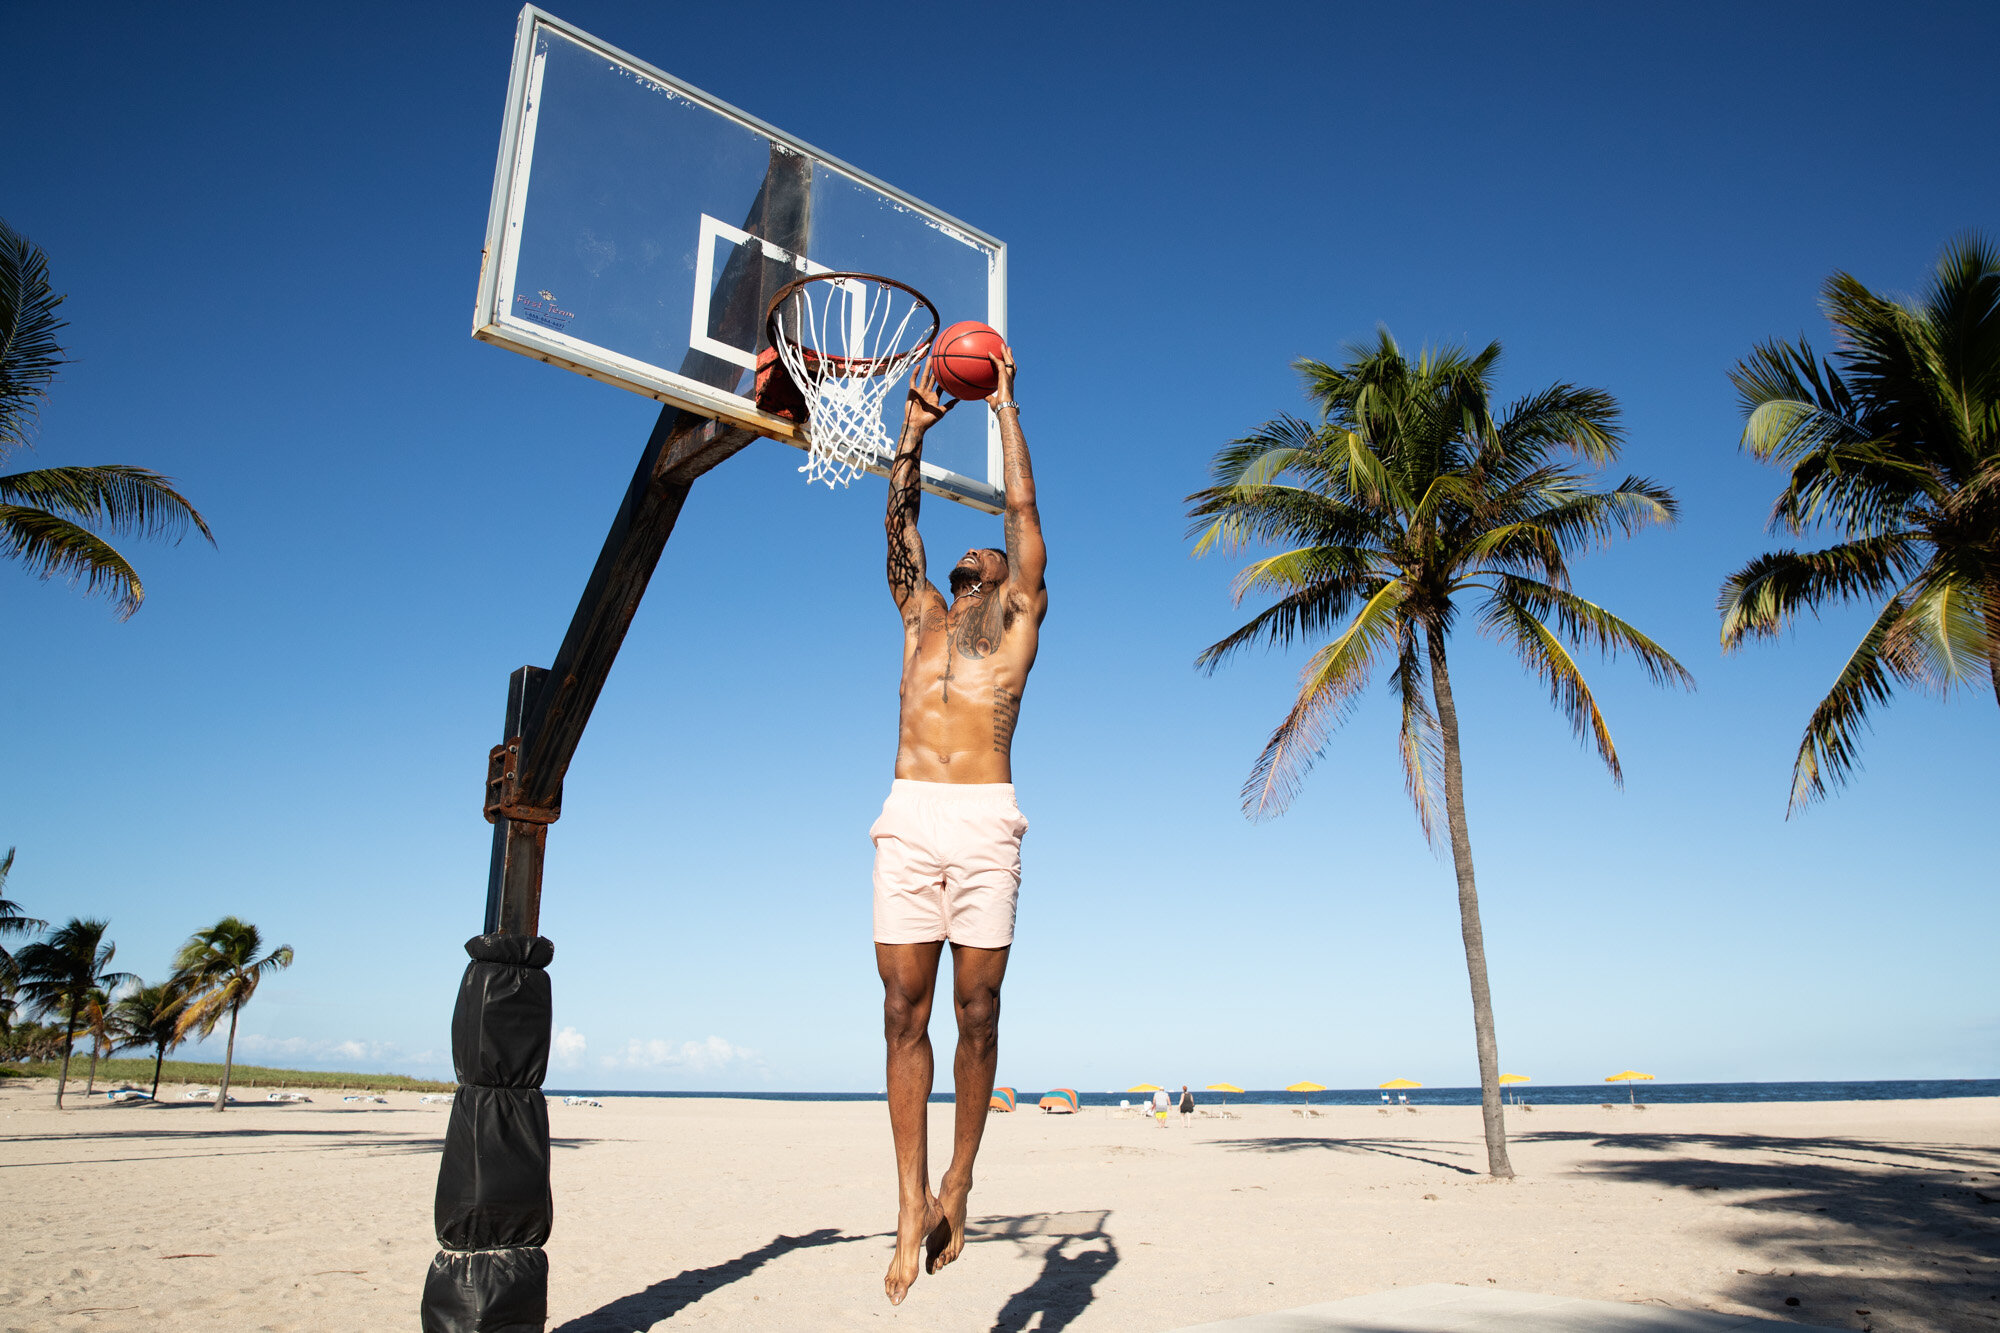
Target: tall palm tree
pixel 13 921
pixel 47 514
pixel 1407 495
pixel 1894 444
pixel 149 1016
pixel 57 974
pixel 222 969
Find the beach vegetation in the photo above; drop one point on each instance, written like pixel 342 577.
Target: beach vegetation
pixel 221 968
pixel 150 1016
pixel 1893 446
pixel 208 1073
pixel 54 520
pixel 34 1042
pixel 1408 500
pixel 56 976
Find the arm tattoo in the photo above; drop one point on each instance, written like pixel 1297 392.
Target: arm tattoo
pixel 1006 712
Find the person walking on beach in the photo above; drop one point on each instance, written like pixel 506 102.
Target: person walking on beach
pixel 1160 1104
pixel 948 844
pixel 1187 1105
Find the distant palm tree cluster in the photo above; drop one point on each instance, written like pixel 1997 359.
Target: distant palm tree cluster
pixel 64 977
pixel 1411 498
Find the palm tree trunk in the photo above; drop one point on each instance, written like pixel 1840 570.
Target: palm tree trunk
pixel 91 1087
pixel 69 1040
pixel 1468 917
pixel 228 1058
pixel 159 1056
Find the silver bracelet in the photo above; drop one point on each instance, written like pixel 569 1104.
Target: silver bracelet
pixel 1009 403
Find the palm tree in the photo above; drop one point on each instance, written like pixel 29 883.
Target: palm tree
pixel 222 970
pixel 57 975
pixel 1406 495
pixel 149 1016
pixel 94 1022
pixel 1898 451
pixel 46 515
pixel 12 922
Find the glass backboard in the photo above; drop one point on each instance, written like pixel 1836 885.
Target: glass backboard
pixel 639 228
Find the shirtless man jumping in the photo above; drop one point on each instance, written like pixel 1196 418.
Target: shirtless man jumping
pixel 948 844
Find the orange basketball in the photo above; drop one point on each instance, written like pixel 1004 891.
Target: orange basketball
pixel 959 359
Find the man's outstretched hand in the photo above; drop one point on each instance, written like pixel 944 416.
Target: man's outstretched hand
pixel 1003 373
pixel 925 406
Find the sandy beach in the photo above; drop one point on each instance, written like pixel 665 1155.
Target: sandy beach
pixel 736 1214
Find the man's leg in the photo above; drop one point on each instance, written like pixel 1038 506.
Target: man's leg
pixel 976 975
pixel 909 979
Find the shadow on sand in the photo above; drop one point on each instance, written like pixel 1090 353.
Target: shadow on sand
pixel 1412 1150
pixel 1067 1244
pixel 1076 1252
pixel 1861 1232
pixel 667 1298
pixel 216 1141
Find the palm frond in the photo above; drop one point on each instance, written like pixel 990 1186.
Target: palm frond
pixel 1830 750
pixel 1563 416
pixel 1587 623
pixel 1419 741
pixel 52 547
pixel 1316 609
pixel 1941 640
pixel 133 501
pixel 1332 678
pixel 1516 626
pixel 29 353
pixel 1763 598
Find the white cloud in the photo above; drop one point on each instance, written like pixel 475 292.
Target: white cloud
pixel 570 1046
pixel 321 1049
pixel 692 1056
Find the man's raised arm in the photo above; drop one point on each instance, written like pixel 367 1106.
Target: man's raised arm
pixel 921 411
pixel 1027 557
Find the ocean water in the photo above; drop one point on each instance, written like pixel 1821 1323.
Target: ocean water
pixel 1874 1090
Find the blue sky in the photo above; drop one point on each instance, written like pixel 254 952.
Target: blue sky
pixel 269 222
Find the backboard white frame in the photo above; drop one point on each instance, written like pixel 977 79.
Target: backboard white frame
pixel 493 323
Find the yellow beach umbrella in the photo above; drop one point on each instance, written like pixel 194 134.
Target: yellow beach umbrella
pixel 1515 1078
pixel 1147 1087
pixel 1307 1088
pixel 1400 1083
pixel 1224 1087
pixel 1628 1078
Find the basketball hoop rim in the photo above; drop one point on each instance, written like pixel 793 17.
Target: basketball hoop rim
pixel 843 365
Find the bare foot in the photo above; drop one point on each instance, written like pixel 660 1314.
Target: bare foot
pixel 911 1228
pixel 947 1239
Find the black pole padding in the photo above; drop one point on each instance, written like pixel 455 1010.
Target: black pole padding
pixel 494 1208
pixel 487 1291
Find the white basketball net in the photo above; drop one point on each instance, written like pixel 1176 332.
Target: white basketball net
pixel 849 341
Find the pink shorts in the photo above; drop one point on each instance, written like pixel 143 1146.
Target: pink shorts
pixel 948 863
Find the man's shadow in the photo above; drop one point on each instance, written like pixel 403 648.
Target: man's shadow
pixel 668 1297
pixel 1072 1264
